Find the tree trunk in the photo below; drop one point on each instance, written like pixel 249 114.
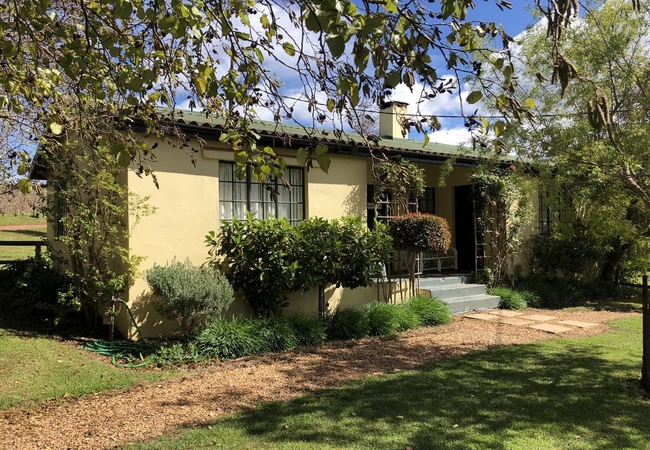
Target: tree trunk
pixel 613 258
pixel 645 364
pixel 322 304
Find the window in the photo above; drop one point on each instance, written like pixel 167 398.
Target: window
pixel 427 204
pixel 553 209
pixel 237 197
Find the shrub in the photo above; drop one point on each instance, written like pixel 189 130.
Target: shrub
pixel 260 259
pixel 309 330
pixel 347 323
pixel 407 319
pixel 191 295
pixel 34 288
pixel 510 299
pixel 382 318
pixel 573 256
pixel 277 334
pixel 431 310
pixel 420 232
pixel 229 339
pixel 531 298
pixel 557 293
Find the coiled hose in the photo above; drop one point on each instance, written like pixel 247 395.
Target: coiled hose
pixel 120 349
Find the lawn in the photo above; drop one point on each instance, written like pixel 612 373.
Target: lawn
pixel 34 369
pixel 558 394
pixel 13 219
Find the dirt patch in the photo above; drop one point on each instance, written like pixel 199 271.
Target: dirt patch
pixel 199 396
pixel 36 226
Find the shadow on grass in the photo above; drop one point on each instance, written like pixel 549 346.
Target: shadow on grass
pixel 557 394
pixel 21 234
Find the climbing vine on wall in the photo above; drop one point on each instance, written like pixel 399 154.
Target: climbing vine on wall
pixel 503 209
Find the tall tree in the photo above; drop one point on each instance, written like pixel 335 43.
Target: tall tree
pixel 595 127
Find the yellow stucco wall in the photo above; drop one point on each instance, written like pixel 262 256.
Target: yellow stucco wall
pixel 187 207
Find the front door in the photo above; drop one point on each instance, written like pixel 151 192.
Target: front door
pixel 464 227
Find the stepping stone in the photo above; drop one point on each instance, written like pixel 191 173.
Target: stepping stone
pixel 482 316
pixel 504 313
pixel 538 317
pixel 516 321
pixel 550 328
pixel 577 323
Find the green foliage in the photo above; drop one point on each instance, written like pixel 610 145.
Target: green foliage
pixel 598 148
pixel 347 323
pixel 510 298
pixel 230 338
pixel 573 256
pixel 558 292
pixel 277 333
pixel 268 258
pixel 382 318
pixel 342 252
pixel 189 294
pixel 431 310
pixel 503 209
pixel 91 206
pixel 407 318
pixel 125 57
pixel 260 258
pixel 310 331
pixel 400 180
pixel 420 232
pixel 35 288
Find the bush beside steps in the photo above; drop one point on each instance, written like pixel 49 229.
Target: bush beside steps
pixel 235 338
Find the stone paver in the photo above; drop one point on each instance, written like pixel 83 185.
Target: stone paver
pixel 550 328
pixel 538 317
pixel 577 323
pixel 516 321
pixel 480 316
pixel 504 313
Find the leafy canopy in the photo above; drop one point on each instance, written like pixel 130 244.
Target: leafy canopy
pixel 122 59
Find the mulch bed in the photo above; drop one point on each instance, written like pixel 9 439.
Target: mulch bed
pixel 199 396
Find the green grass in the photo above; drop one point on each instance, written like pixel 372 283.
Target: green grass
pixel 10 219
pixel 34 369
pixel 559 394
pixel 14 253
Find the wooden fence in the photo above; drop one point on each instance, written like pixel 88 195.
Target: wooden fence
pixel 36 244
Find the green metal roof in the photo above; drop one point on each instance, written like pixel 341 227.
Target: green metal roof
pixel 295 132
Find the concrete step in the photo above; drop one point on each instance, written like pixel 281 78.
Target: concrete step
pixel 455 290
pixel 444 281
pixel 479 302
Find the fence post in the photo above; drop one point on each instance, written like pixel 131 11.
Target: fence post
pixel 38 250
pixel 645 361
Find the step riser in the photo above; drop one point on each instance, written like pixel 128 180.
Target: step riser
pixel 456 291
pixel 444 281
pixel 471 304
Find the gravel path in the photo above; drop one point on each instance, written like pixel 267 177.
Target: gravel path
pixel 199 396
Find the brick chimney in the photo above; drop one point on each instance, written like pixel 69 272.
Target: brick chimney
pixel 391 116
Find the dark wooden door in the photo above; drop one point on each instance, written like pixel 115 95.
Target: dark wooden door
pixel 464 227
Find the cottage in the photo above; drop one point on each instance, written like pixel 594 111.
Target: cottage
pixel 194 199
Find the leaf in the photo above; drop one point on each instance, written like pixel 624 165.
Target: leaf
pixel 301 157
pixel 289 49
pixel 201 85
pixel 56 128
pixel 391 6
pixel 336 44
pixel 474 97
pixel 530 103
pixel 321 149
pixel 324 162
pixel 24 186
pixel 123 159
pixel 426 139
pixel 499 63
pixel 499 127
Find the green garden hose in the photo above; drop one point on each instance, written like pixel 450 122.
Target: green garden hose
pixel 122 348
